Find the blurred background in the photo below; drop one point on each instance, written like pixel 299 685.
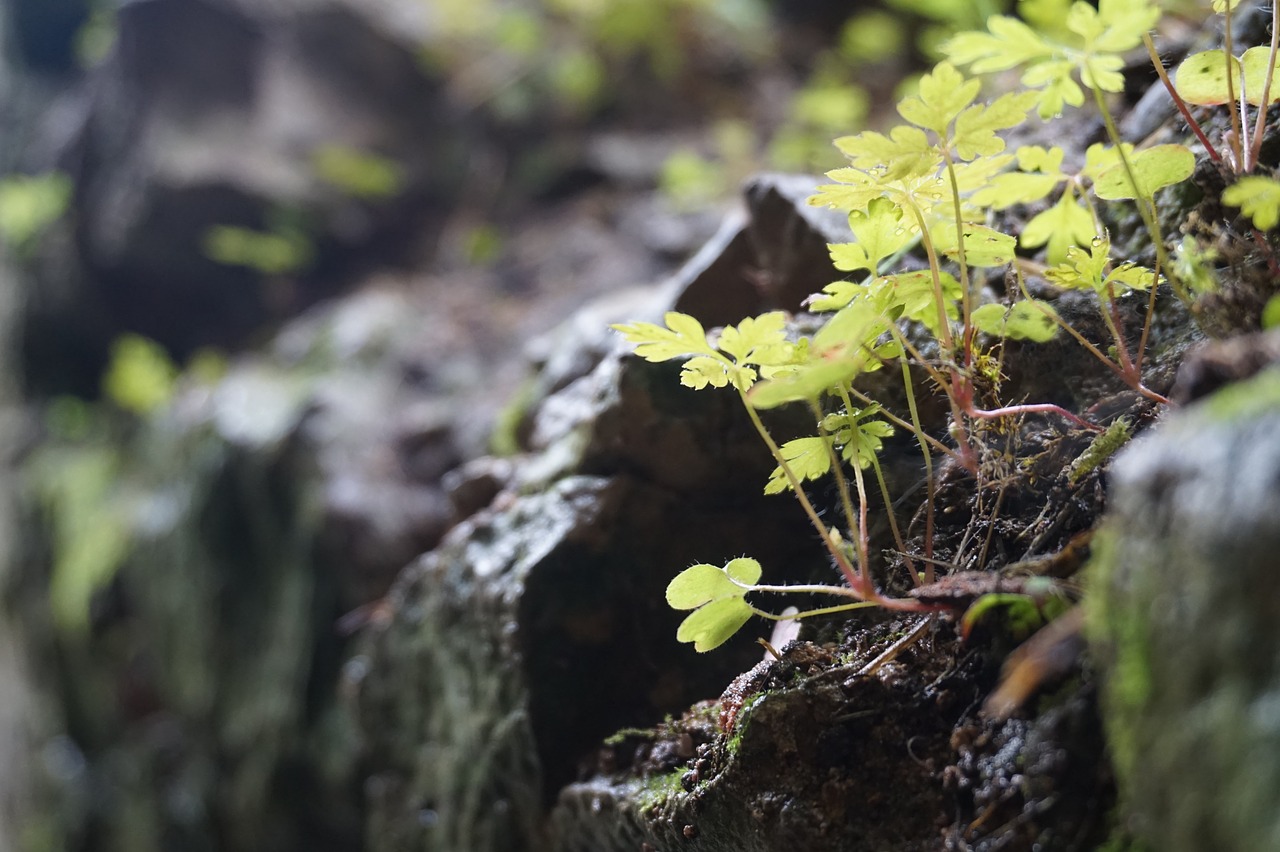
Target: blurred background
pixel 272 270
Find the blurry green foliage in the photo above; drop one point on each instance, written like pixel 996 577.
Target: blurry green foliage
pixel 97 36
pixel 268 252
pixel 872 36
pixel 77 485
pixel 358 173
pixel 821 110
pixel 29 204
pixel 689 179
pixel 521 58
pixel 948 17
pixel 482 245
pixel 140 376
pixel 1271 313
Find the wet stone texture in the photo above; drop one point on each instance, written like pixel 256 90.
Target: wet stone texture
pixel 1183 611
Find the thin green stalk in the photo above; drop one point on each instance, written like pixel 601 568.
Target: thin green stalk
pixel 837 470
pixel 966 300
pixel 852 577
pixel 1236 131
pixel 930 486
pixel 1177 98
pixel 1146 209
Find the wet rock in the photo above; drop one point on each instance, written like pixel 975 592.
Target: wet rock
pixel 538 626
pixel 233 530
pixel 215 113
pixel 1182 610
pixel 798 763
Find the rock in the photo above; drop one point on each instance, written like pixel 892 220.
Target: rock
pixel 1182 611
pixel 539 626
pixel 233 531
pixel 215 113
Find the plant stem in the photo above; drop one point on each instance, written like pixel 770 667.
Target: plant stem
pixel 1261 126
pixel 1236 119
pixel 928 469
pixel 856 583
pixel 1177 99
pixel 837 470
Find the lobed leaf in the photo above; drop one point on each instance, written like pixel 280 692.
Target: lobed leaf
pixel 1067 223
pixel 942 96
pixel 717 596
pixel 1258 198
pixel 754 336
pixel 977 127
pixel 808 458
pixel 682 337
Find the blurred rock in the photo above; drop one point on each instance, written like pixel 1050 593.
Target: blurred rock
pixel 214 113
pixel 1183 612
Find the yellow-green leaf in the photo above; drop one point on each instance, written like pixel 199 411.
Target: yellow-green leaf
pixel 1022 320
pixel 712 625
pixel 1067 223
pixel 1154 168
pixel 1258 198
pixel 808 458
pixel 1202 77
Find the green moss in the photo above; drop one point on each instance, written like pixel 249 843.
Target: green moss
pixel 1119 632
pixel 657 790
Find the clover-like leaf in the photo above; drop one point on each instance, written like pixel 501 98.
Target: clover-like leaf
pixel 711 626
pixel 703 583
pixel 1154 168
pixel 717 596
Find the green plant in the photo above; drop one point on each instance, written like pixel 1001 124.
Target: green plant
pixel 928 187
pixel 29 204
pixel 284 248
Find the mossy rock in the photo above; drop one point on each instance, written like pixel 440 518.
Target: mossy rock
pixel 1183 610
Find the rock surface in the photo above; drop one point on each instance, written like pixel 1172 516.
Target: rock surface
pixel 1182 611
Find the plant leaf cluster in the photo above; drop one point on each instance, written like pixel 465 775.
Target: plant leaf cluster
pixel 928 187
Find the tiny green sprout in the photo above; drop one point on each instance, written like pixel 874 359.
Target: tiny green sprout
pixel 1258 198
pixel 1101 448
pixel 717 597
